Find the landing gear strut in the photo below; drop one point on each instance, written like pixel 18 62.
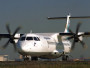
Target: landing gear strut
pixel 26 58
pixel 65 58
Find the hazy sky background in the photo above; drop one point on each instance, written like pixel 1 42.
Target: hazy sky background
pixel 32 15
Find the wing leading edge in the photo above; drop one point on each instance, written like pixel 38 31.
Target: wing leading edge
pixel 8 35
pixel 85 34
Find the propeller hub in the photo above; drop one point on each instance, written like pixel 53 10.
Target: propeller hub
pixel 76 39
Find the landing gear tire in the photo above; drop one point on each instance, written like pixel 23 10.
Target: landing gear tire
pixel 34 58
pixel 65 58
pixel 26 59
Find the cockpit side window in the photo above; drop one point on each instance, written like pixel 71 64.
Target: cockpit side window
pixel 29 38
pixel 22 38
pixel 36 39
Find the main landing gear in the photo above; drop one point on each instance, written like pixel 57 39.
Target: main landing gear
pixel 26 58
pixel 34 58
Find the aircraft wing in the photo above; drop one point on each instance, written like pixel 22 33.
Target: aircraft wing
pixel 4 35
pixel 85 34
pixel 8 35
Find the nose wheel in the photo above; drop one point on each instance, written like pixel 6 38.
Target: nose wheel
pixel 34 58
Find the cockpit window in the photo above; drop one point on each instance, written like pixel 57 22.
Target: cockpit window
pixel 29 38
pixel 36 39
pixel 22 38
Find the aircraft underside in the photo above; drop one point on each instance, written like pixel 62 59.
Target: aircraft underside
pixel 47 55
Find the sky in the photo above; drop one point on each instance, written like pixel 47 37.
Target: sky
pixel 32 15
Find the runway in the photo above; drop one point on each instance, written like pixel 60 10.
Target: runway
pixel 44 64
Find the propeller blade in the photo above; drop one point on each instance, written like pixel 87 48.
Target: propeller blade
pixel 4 46
pixel 18 28
pixel 15 49
pixel 83 44
pixel 78 26
pixel 73 45
pixel 8 29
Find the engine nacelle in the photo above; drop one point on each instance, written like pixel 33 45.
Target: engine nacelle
pixel 55 37
pixel 16 36
pixel 57 53
pixel 81 37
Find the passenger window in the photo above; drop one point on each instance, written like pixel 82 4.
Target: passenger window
pixel 22 38
pixel 29 38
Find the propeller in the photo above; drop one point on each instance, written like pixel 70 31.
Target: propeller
pixel 11 37
pixel 76 38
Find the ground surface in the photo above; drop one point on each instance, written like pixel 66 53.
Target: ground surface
pixel 44 64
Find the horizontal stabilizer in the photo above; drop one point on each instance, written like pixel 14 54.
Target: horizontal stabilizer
pixel 70 17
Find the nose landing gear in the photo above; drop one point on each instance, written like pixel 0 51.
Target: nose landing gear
pixel 65 58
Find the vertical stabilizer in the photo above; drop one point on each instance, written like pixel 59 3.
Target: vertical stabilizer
pixel 65 41
pixel 67 24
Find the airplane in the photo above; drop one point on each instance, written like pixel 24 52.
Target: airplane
pixel 46 45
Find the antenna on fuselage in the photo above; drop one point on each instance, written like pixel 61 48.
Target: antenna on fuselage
pixel 31 31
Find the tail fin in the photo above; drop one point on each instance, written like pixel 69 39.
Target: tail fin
pixel 66 42
pixel 67 24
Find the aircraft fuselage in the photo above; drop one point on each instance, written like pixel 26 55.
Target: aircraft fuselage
pixel 39 46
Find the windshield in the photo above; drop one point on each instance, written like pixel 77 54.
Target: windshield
pixel 29 38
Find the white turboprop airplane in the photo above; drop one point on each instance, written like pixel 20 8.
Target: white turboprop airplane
pixel 46 45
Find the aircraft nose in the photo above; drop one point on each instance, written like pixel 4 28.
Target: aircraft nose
pixel 23 47
pixel 20 47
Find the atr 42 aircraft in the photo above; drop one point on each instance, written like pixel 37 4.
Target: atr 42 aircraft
pixel 46 45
